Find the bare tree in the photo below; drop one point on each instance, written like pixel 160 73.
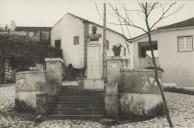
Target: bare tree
pixel 145 12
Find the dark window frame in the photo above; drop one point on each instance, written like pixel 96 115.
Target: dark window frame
pixel 58 44
pixel 76 40
pixel 184 49
pixel 107 45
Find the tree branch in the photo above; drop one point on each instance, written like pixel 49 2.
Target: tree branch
pixel 124 19
pixel 164 14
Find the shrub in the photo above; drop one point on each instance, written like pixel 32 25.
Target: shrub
pixel 23 52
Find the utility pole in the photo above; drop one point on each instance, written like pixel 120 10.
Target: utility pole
pixel 104 69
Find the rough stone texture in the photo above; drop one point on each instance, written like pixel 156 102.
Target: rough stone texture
pixel 42 106
pixel 138 81
pixel 30 81
pixel 111 100
pixel 181 108
pixel 25 100
pixel 28 84
pixel 140 105
pixel 54 69
pixel 44 103
pixel 113 69
pixel 53 74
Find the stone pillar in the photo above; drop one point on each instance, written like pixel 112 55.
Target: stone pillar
pixel 113 75
pixel 53 74
pixel 111 100
pixel 94 68
pixel 114 65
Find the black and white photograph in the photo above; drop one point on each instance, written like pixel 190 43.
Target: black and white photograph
pixel 96 64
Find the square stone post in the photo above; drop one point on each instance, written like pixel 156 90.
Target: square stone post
pixel 111 98
pixel 53 74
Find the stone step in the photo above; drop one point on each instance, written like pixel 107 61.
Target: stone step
pixel 78 111
pixel 80 98
pixel 80 105
pixel 81 93
pixel 79 117
pixel 77 89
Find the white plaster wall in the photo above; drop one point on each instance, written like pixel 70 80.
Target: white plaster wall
pixel 178 66
pixel 65 30
pixel 68 27
pixel 113 39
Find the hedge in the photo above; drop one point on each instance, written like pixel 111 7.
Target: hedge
pixel 23 52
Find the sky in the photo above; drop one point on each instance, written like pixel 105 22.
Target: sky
pixel 48 12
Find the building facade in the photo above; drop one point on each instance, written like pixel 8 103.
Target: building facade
pixel 39 34
pixel 174 47
pixel 70 34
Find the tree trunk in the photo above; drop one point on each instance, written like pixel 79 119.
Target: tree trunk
pixel 165 107
pixel 166 111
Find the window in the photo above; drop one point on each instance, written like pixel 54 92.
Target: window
pixel 124 53
pixel 58 44
pixel 144 49
pixel 185 43
pixel 30 34
pixel 76 40
pixel 107 45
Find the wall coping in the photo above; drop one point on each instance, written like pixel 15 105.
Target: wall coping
pixel 94 44
pixel 116 58
pixel 53 60
pixel 138 70
pixel 28 72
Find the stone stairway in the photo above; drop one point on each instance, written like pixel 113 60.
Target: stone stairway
pixel 74 103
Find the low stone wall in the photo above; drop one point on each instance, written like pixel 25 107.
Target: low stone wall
pixel 139 106
pixel 139 81
pixel 28 85
pixel 139 94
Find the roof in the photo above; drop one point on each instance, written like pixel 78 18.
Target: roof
pixel 185 23
pixel 182 24
pixel 142 35
pixel 22 28
pixel 85 20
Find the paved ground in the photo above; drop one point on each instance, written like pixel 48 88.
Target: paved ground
pixel 181 109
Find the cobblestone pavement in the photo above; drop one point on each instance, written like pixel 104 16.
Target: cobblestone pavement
pixel 181 109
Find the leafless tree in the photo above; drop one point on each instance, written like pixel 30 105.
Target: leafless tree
pixel 145 12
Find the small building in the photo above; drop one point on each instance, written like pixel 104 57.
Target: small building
pixel 70 34
pixel 173 45
pixel 40 34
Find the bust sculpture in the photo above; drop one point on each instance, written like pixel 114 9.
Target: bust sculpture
pixel 94 36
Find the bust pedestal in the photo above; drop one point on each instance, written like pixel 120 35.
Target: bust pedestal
pixel 94 60
pixel 94 67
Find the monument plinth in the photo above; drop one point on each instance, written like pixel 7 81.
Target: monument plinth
pixel 94 62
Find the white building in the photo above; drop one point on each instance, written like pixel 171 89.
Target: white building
pixel 70 34
pixel 174 44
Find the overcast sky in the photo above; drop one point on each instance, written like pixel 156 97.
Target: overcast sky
pixel 48 12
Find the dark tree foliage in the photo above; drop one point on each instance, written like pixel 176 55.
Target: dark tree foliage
pixel 23 52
